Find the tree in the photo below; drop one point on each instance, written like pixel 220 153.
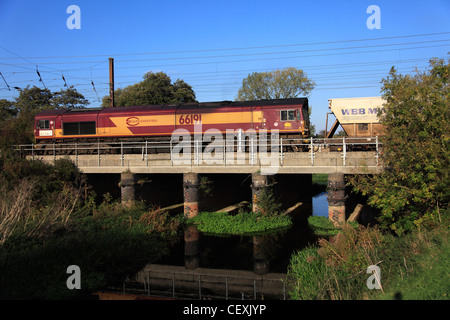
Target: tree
pixel 156 88
pixel 7 110
pixel 414 188
pixel 21 112
pixel 33 99
pixel 68 99
pixel 279 84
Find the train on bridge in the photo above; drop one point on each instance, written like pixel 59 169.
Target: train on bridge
pixel 139 123
pixel 157 123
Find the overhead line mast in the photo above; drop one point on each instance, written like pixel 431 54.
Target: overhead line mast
pixel 111 81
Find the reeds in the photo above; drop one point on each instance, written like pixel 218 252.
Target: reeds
pixel 20 211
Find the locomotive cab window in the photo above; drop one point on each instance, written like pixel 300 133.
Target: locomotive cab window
pixel 43 124
pixel 291 115
pixel 305 114
pixel 79 128
pixel 287 115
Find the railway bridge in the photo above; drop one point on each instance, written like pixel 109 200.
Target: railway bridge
pixel 335 157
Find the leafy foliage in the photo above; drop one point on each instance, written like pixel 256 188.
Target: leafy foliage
pixel 241 223
pixel 414 187
pixel 7 110
pixel 20 113
pixel 267 205
pixel 69 99
pixel 156 88
pixel 278 84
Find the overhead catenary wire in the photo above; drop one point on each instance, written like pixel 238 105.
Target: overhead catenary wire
pixel 264 53
pixel 9 89
pixel 311 67
pixel 237 48
pixel 214 82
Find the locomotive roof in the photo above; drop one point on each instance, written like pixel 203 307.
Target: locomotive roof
pixel 272 102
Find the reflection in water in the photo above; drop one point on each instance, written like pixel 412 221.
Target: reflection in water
pixel 265 248
pixel 261 253
pixel 191 247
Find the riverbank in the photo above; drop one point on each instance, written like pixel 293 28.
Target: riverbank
pixel 412 266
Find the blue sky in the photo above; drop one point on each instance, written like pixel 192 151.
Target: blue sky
pixel 214 44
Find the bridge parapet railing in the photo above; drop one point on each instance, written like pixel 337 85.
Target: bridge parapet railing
pixel 196 152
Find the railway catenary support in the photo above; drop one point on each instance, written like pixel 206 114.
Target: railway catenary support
pixel 128 188
pixel 190 187
pixel 336 198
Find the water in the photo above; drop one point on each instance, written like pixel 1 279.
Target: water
pixel 259 254
pixel 269 252
pixel 320 205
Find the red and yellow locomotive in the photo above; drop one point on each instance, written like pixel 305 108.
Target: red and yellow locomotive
pixel 155 122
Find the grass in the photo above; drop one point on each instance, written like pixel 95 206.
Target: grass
pixel 322 226
pixel 427 277
pixel 241 223
pixel 320 178
pixel 412 266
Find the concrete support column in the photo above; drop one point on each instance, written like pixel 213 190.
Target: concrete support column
pixel 190 187
pixel 128 188
pixel 336 198
pixel 259 182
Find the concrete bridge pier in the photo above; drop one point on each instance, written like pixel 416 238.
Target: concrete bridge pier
pixel 259 182
pixel 128 188
pixel 190 188
pixel 336 198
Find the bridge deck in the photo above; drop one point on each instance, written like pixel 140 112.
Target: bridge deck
pixel 241 156
pixel 357 162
